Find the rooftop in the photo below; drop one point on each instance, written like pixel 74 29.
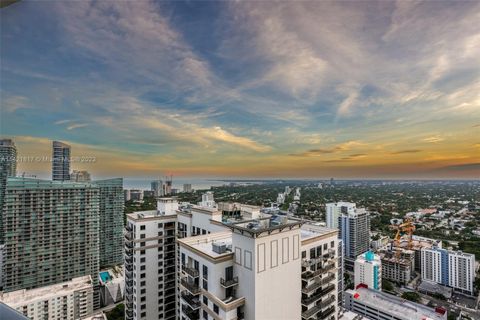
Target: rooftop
pixel 394 305
pixel 264 226
pixel 203 243
pixel 310 230
pixel 21 297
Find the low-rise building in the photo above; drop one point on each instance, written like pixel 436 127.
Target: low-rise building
pixel 398 267
pixel 69 300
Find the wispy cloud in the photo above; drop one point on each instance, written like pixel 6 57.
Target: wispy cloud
pixel 434 139
pixel 407 151
pixel 76 126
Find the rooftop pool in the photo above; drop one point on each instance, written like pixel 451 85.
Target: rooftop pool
pixel 105 276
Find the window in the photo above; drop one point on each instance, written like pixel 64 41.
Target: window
pixel 312 253
pixel 142 267
pixel 142 236
pixel 142 284
pixel 160 225
pixel 325 247
pixel 142 299
pixel 205 272
pixel 142 291
pixel 304 254
pixel 183 258
pixel 205 315
pixel 205 284
pixel 142 251
pixel 142 244
pixel 332 244
pixel 205 301
pixel 215 308
pixel 142 227
pixel 143 314
pixel 142 275
pixel 142 259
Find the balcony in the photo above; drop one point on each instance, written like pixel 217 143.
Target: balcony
pixel 227 283
pixel 192 301
pixel 191 314
pixel 318 295
pixel 311 274
pixel 318 283
pixel 327 312
pixel 190 271
pixel 190 286
pixel 129 244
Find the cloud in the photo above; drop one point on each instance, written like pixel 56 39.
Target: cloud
pixel 337 148
pixel 407 151
pixel 14 103
pixel 434 139
pixel 62 121
pixel 77 125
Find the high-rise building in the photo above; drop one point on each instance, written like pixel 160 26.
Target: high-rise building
pixel 69 300
pixel 187 187
pixel 354 229
pixel 8 168
pixel 111 206
pixel 60 161
pixel 377 305
pixel 335 210
pixel 454 269
pixel 80 176
pixel 215 285
pixel 150 262
pixel 207 200
pixel 158 188
pixel 51 233
pixel 398 268
pixel 8 157
pixel 368 271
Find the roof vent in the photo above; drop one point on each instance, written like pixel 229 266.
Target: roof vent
pixel 219 247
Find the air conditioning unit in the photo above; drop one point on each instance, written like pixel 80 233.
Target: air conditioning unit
pixel 219 247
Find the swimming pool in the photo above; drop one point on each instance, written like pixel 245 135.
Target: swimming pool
pixel 105 276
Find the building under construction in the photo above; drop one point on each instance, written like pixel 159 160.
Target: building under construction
pixel 398 266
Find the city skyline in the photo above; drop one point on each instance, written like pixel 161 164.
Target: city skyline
pixel 245 89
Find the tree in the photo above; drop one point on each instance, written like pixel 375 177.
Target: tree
pixel 412 296
pixel 387 286
pixel 117 313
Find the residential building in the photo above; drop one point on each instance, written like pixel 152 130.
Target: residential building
pixel 51 233
pixel 112 285
pixel 80 176
pixel 8 168
pixel 454 269
pixel 461 271
pixel 158 188
pixel 236 272
pixel 150 262
pixel 8 157
pixel 69 300
pixel 60 161
pixel 354 229
pixel 111 206
pixel 284 245
pixel 187 187
pixel 368 271
pixel 335 210
pixel 341 271
pixel 136 194
pixel 10 313
pixel 377 305
pixel 207 200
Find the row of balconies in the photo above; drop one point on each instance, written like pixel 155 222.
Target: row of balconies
pixel 191 286
pixel 310 274
pixel 315 311
pixel 318 295
pixel 318 283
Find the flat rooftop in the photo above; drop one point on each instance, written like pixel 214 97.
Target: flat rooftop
pixel 310 230
pixel 203 243
pixel 21 297
pixel 394 305
pixel 264 226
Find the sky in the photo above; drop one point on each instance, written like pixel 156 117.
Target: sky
pixel 260 89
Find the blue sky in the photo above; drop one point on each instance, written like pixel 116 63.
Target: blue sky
pixel 232 88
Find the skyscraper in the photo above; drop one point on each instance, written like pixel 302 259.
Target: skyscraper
pixel 60 161
pixel 354 229
pixel 8 156
pixel 8 168
pixel 51 233
pixel 335 210
pixel 111 200
pixel 158 188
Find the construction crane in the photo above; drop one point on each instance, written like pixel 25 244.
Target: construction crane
pixel 405 228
